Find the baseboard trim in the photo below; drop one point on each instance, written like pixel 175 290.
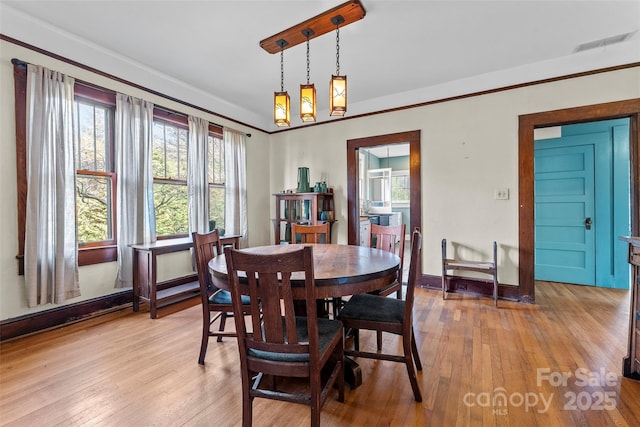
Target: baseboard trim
pixel 55 317
pixel 471 286
pixel 47 319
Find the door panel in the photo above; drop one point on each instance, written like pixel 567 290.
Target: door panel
pixel 564 199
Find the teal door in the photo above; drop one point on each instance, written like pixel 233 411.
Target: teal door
pixel 564 214
pixel 582 205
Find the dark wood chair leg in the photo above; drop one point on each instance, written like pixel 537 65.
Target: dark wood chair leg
pixel 416 354
pixel 205 336
pixel 408 360
pixel 223 320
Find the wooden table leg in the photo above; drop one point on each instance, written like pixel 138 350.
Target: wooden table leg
pixel 352 373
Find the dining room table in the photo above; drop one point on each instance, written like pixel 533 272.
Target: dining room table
pixel 339 270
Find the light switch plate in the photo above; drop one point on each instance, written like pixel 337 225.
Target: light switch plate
pixel 501 193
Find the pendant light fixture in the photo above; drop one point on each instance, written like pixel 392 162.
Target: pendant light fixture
pixel 327 21
pixel 281 101
pixel 338 84
pixel 308 91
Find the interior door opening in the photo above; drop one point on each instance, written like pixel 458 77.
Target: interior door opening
pixel 355 181
pixel 582 203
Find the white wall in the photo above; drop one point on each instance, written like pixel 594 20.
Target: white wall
pixel 97 280
pixel 469 147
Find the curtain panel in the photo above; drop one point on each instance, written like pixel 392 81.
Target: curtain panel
pixel 51 253
pixel 197 175
pixel 135 210
pixel 235 204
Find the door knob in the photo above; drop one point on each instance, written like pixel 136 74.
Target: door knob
pixel 587 223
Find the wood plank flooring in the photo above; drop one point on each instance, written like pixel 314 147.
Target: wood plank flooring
pixel 482 366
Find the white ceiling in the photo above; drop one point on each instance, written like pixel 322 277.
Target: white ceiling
pixel 402 53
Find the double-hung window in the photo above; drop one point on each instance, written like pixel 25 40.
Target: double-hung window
pixel 95 177
pixel 170 178
pixel 96 222
pixel 170 139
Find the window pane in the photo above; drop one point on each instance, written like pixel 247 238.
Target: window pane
pixel 216 160
pixel 400 188
pixel 91 142
pixel 93 205
pixel 216 206
pixel 171 208
pixel 169 151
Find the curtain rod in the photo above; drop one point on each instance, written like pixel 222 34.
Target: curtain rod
pixel 20 63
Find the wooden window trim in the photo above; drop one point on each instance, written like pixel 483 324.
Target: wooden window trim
pixel 87 254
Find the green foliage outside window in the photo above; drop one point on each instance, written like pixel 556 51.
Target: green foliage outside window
pixel 94 189
pixel 400 188
pixel 171 209
pixel 95 177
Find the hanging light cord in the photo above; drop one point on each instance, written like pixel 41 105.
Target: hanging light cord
pixel 282 69
pixel 337 50
pixel 308 68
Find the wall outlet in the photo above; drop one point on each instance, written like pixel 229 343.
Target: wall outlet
pixel 501 193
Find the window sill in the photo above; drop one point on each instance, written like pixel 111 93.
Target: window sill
pixel 97 255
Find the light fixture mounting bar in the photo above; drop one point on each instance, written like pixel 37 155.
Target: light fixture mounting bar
pixel 323 23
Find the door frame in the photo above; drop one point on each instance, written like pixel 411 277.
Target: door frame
pixel 527 123
pixel 415 193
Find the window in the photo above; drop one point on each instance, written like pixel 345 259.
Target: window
pixel 170 139
pixel 94 127
pixel 400 188
pixel 95 179
pixel 170 178
pixel 95 174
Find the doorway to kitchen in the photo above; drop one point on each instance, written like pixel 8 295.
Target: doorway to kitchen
pixel 355 187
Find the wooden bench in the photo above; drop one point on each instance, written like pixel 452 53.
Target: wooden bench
pixel 485 267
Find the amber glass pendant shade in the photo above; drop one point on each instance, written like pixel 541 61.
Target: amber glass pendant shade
pixel 281 110
pixel 308 103
pixel 338 95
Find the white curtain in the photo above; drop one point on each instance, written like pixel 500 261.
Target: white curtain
pixel 235 175
pixel 197 175
pixel 135 213
pixel 51 253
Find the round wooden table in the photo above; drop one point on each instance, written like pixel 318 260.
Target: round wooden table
pixel 339 270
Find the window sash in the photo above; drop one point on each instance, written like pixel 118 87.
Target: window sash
pixel 111 222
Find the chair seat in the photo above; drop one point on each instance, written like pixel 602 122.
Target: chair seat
pixel 327 330
pixel 374 308
pixel 222 296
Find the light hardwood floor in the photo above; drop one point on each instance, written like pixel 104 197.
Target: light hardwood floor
pixel 124 369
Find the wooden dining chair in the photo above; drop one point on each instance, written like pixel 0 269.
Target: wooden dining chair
pixel 390 238
pixel 283 344
pixel 319 233
pixel 381 314
pixel 214 300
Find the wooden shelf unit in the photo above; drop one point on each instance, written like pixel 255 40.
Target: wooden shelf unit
pixel 301 208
